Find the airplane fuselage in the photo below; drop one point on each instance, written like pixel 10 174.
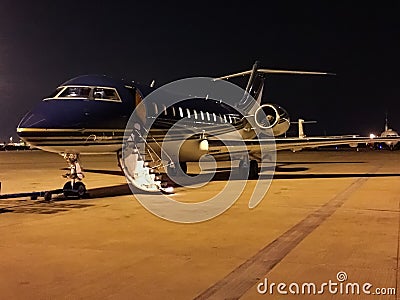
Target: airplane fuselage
pixel 89 114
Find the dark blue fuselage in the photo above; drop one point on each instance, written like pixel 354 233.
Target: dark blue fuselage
pixel 88 115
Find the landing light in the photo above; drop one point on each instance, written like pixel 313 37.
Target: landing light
pixel 372 136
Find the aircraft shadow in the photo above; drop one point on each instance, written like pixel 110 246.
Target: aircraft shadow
pixel 96 171
pixel 105 192
pixel 331 175
pixel 318 162
pixel 290 169
pixel 223 174
pixel 286 166
pixel 106 172
pixel 279 167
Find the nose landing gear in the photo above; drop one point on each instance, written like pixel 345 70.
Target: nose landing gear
pixel 74 188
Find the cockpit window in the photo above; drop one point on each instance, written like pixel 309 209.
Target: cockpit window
pixel 55 93
pixel 85 92
pixel 75 92
pixel 105 93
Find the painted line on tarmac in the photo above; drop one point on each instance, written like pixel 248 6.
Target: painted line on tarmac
pixel 244 277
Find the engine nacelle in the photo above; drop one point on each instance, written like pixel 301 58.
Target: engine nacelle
pixel 272 116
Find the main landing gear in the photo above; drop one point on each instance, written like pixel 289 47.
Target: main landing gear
pixel 248 169
pixel 74 187
pixel 174 171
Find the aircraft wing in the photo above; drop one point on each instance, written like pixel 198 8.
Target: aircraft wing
pixel 294 144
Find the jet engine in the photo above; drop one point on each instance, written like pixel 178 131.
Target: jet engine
pixel 272 116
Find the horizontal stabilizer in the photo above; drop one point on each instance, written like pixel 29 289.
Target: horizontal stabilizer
pixel 304 122
pixel 273 71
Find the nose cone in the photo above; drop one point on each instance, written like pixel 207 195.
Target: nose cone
pixel 47 120
pixel 29 125
pixel 53 115
pixel 26 128
pixel 31 120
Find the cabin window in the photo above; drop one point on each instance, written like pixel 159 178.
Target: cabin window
pixel 165 110
pixel 235 119
pixel 202 115
pixel 208 116
pixel 215 117
pixel 180 112
pixel 75 92
pixel 225 119
pixel 188 112
pixel 173 111
pixel 195 114
pixel 100 93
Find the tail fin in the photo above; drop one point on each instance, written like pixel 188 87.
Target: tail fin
pixel 386 123
pixel 301 129
pixel 254 87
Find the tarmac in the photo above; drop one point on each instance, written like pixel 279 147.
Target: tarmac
pixel 328 226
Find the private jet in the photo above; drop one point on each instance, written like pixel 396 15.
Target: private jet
pixel 89 115
pixel 388 132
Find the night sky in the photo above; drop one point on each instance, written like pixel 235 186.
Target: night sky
pixel 44 43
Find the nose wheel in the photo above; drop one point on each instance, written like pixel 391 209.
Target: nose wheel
pixel 76 190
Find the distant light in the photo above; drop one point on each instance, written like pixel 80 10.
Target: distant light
pixel 372 136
